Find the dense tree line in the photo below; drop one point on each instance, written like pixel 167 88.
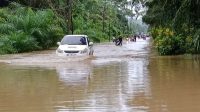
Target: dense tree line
pixel 27 25
pixel 175 25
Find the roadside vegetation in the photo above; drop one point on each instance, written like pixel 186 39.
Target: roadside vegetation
pixel 23 29
pixel 174 25
pixel 28 25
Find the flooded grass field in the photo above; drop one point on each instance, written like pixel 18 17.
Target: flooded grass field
pixel 130 78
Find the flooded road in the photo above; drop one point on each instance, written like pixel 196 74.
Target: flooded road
pixel 131 78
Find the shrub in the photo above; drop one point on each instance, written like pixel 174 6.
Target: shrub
pixel 196 41
pixel 167 43
pixel 23 29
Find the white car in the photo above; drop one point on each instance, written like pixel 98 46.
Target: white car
pixel 75 45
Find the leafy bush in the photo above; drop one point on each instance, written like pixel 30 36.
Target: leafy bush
pixel 23 29
pixel 196 41
pixel 6 46
pixel 167 43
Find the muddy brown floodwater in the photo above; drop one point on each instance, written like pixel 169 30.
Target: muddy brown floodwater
pixel 131 78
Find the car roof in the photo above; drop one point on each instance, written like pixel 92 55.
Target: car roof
pixel 76 35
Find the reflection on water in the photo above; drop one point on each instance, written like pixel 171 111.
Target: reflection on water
pixel 74 73
pixel 79 87
pixel 26 90
pixel 138 84
pixel 111 87
pixel 175 84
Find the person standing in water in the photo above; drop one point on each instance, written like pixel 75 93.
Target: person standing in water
pixel 120 40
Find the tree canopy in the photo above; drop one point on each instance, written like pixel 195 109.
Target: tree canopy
pixel 180 19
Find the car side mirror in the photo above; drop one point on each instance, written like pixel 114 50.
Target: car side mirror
pixel 58 43
pixel 91 43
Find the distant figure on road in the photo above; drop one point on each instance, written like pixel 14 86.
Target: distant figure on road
pixel 134 38
pixel 120 40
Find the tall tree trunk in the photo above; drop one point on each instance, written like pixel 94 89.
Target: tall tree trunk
pixel 69 16
pixel 104 15
pixel 103 22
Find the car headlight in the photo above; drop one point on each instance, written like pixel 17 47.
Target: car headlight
pixel 84 51
pixel 59 50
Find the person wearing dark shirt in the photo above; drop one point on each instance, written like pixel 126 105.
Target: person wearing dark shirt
pixel 120 41
pixel 83 41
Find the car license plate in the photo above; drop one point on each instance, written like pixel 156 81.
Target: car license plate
pixel 71 54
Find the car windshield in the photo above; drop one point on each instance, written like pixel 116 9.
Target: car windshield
pixel 74 40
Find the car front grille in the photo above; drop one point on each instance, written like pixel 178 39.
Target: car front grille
pixel 71 51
